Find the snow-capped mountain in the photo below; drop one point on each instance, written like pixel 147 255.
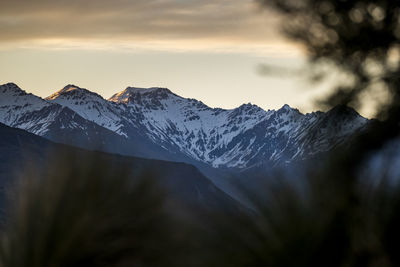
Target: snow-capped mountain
pixel 56 122
pixel 188 125
pixel 15 104
pixel 239 137
pixel 90 106
pixel 161 124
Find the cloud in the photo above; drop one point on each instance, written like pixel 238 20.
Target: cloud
pixel 233 22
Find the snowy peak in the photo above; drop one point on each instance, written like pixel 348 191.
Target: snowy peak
pixel 17 108
pixel 10 86
pixel 285 108
pixel 249 107
pixel 137 90
pixel 11 89
pixel 74 92
pixel 90 106
pixel 246 112
pixel 69 88
pixel 130 94
pixel 12 95
pixel 288 110
pixel 344 118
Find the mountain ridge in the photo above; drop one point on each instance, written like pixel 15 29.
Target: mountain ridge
pixel 185 129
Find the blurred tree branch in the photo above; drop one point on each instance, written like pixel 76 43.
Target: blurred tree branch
pixel 359 37
pixel 362 39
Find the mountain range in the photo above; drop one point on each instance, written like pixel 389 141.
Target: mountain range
pixel 155 123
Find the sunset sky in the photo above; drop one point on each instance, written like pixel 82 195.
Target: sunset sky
pixel 204 49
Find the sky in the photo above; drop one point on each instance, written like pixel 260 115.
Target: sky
pixel 210 50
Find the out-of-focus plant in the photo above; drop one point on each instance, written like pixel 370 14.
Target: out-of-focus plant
pixel 88 212
pixel 340 216
pixel 326 221
pixel 361 38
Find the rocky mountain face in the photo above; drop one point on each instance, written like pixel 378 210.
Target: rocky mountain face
pixel 156 123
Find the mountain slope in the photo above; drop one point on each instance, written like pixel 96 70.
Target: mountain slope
pixel 183 182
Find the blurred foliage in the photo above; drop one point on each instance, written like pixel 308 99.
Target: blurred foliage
pixel 90 212
pixel 361 38
pixel 339 217
pixel 327 221
pixel 86 212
